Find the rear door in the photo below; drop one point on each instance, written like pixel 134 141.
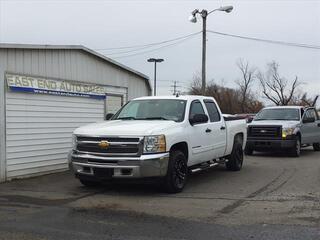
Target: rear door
pixel 217 128
pixel 200 139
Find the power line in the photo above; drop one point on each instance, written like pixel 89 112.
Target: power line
pixel 155 49
pixel 302 45
pixel 148 45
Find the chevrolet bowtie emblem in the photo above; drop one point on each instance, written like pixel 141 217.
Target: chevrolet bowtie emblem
pixel 104 144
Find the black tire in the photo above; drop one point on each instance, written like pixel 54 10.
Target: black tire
pixel 316 147
pixel 89 183
pixel 295 151
pixel 235 160
pixel 248 151
pixel 177 173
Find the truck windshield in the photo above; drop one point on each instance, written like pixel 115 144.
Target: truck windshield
pixel 278 114
pixel 153 109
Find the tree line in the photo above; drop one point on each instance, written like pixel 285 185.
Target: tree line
pixel 272 86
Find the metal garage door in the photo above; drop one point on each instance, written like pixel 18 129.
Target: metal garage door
pixel 39 127
pixel 114 103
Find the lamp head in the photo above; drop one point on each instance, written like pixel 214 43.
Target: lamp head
pixel 226 9
pixel 193 19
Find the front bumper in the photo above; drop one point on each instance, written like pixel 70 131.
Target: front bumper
pixel 263 144
pixel 151 165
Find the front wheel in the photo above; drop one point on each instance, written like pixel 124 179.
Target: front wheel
pixel 296 149
pixel 235 159
pixel 177 173
pixel 316 147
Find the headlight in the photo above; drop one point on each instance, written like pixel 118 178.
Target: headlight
pixel 74 141
pixel 287 132
pixel 154 144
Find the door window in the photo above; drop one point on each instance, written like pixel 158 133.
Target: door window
pixel 196 108
pixel 311 114
pixel 214 114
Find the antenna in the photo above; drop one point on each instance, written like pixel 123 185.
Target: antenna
pixel 315 101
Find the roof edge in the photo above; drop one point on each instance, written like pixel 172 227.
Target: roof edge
pixel 76 47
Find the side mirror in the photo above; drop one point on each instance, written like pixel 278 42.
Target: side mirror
pixel 308 120
pixel 249 120
pixel 198 118
pixel 109 116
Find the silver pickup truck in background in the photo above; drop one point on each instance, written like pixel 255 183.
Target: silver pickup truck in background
pixel 284 127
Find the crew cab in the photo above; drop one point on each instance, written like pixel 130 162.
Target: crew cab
pixel 284 127
pixel 163 137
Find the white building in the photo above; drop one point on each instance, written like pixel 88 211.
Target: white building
pixel 48 91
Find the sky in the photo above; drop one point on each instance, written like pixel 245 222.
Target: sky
pixel 113 24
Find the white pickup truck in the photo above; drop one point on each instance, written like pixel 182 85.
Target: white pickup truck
pixel 164 137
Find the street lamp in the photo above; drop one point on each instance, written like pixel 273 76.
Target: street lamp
pixel 155 60
pixel 204 13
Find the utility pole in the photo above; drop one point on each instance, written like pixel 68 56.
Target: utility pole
pixel 204 13
pixel 175 87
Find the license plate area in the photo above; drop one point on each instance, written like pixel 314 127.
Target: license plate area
pixel 103 173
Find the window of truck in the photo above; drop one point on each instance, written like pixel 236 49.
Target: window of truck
pixel 153 109
pixel 289 114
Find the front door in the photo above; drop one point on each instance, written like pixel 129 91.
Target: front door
pixel 201 140
pixel 310 130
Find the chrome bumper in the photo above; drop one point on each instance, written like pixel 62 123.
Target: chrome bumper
pixel 151 165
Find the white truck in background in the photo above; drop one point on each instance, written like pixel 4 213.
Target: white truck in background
pixel 163 137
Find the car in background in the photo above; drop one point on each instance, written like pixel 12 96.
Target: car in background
pixel 284 127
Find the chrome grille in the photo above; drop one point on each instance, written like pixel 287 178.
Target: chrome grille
pixel 264 131
pixel 118 146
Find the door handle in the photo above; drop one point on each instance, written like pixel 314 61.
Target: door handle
pixel 222 128
pixel 208 130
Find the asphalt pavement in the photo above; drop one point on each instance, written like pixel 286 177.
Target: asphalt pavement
pixel 272 197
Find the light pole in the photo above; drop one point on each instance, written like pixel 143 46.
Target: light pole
pixel 204 13
pixel 155 60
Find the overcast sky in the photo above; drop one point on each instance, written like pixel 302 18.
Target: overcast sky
pixel 109 24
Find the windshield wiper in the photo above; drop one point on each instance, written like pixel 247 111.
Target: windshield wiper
pixel 153 118
pixel 127 118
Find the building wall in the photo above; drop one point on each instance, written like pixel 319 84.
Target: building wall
pixel 75 65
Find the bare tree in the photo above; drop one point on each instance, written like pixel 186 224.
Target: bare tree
pixel 308 101
pixel 276 88
pixel 245 83
pixel 227 98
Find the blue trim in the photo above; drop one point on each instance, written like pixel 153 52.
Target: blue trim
pixel 53 92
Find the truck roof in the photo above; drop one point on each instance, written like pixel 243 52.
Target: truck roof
pixel 181 97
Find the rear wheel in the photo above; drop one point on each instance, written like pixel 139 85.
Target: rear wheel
pixel 177 173
pixel 316 147
pixel 296 149
pixel 235 159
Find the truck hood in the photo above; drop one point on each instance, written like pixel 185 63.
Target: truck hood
pixel 124 128
pixel 284 124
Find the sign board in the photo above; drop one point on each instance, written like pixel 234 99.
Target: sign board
pixel 20 83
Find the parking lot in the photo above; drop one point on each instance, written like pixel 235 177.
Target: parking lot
pixel 273 197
